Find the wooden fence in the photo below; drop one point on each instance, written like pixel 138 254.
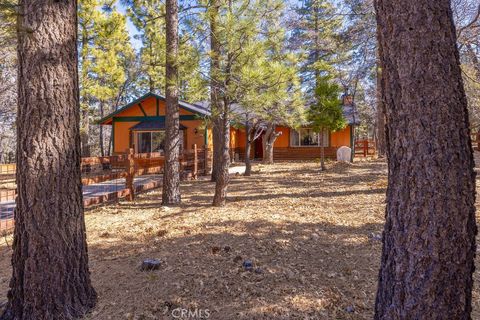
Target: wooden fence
pixel 8 168
pixel 364 148
pixel 193 162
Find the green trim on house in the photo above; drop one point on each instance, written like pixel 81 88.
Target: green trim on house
pixel 113 137
pixel 141 108
pixel 153 118
pixel 197 110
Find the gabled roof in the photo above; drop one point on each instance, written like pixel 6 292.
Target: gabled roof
pixel 197 109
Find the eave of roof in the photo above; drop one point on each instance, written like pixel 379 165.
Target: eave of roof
pixel 196 109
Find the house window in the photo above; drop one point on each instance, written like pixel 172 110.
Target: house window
pixel 154 141
pixel 306 137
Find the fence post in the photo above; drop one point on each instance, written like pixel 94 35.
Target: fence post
pixel 205 160
pixel 130 168
pixel 195 161
pixel 365 148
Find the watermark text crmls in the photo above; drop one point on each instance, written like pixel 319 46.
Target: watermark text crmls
pixel 182 313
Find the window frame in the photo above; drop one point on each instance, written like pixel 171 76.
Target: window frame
pixel 318 145
pixel 137 139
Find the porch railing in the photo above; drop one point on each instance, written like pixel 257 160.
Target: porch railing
pixel 95 170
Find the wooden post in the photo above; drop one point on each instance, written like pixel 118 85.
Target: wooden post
pixel 195 161
pixel 205 160
pixel 365 148
pixel 130 168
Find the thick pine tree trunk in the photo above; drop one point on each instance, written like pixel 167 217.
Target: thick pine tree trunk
pixel 215 90
pixel 222 179
pixel 50 277
pixel 429 238
pixel 171 174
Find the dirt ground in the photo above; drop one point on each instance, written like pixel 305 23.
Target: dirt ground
pixel 313 238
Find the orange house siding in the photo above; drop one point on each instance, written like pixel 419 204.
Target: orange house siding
pixel 122 136
pixel 340 138
pixel 121 128
pixel 283 140
pixel 283 149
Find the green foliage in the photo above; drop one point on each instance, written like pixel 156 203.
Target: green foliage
pixel 148 16
pixel 105 51
pixel 326 113
pixel 316 37
pixel 8 17
pixel 263 76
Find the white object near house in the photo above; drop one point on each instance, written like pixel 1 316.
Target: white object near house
pixel 344 154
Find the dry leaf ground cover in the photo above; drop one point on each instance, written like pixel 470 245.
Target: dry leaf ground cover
pixel 312 236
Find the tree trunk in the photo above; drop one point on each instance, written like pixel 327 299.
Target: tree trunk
pixel 171 174
pixel 429 238
pixel 248 148
pixel 50 277
pixel 268 142
pixel 217 146
pixel 380 127
pixel 215 90
pixel 221 184
pixel 102 149
pixel 322 151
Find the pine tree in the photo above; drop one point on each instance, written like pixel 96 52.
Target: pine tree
pixel 429 249
pixel 270 88
pixel 149 17
pixel 50 279
pixel 105 56
pixel 234 27
pixel 171 172
pixel 316 36
pixel 326 114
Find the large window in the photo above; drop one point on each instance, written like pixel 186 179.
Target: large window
pixel 305 137
pixel 153 141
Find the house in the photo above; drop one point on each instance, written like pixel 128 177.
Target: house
pixel 141 125
pixel 302 143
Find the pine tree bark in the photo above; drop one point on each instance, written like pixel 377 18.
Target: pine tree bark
pixel 171 174
pixel 268 143
pixel 223 177
pixel 215 52
pixel 429 238
pixel 101 135
pixel 50 279
pixel 248 148
pixel 322 147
